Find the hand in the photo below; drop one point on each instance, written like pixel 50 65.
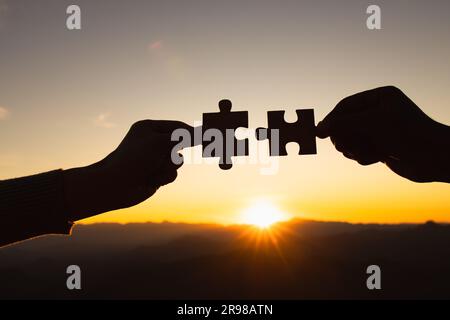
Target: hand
pixel 129 175
pixel 384 125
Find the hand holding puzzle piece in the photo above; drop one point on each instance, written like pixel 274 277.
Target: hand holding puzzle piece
pixel 219 128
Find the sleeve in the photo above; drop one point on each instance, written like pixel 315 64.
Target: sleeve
pixel 32 206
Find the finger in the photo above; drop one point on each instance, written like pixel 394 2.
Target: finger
pixel 160 143
pixel 354 124
pixel 362 160
pixel 161 151
pixel 166 176
pixel 166 142
pixel 342 125
pixel 147 128
pixel 405 170
pixel 169 164
pixel 358 103
pixel 357 148
pixel 181 134
pixel 187 138
pixel 323 129
pixel 175 163
pixel 168 126
pixel 367 160
pixel 349 155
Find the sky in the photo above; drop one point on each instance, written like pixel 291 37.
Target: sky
pixel 67 98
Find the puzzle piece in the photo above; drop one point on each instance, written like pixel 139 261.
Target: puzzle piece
pixel 302 132
pixel 224 124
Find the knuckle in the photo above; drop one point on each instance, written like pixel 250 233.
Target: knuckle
pixel 390 90
pixel 339 147
pixel 176 159
pixel 349 155
pixel 180 160
pixel 139 125
pixel 173 176
pixel 351 100
pixel 362 162
pixel 344 102
pixel 365 162
pixel 161 142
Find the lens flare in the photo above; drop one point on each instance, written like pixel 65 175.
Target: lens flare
pixel 263 214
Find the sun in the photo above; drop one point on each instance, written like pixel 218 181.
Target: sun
pixel 263 214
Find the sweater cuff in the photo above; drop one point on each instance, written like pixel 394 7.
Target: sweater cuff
pixel 35 204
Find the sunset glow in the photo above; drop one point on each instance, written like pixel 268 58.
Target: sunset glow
pixel 68 98
pixel 263 214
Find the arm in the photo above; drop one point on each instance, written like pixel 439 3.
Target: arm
pixel 31 206
pixel 384 125
pixel 49 203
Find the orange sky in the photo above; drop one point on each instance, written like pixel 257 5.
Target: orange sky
pixel 67 98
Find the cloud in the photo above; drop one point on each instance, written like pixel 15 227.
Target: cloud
pixel 167 60
pixel 4 113
pixel 156 45
pixel 102 121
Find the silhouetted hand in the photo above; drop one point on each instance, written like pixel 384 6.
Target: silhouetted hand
pixel 384 125
pixel 129 175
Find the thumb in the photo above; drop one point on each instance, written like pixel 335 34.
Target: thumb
pixel 323 129
pixel 361 122
pixel 406 170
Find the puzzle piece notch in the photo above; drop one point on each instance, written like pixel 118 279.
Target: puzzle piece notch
pixel 223 121
pixel 303 131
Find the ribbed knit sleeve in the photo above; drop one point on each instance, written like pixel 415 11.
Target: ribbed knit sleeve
pixel 32 206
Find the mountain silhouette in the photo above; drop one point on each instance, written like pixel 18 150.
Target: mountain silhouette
pixel 296 260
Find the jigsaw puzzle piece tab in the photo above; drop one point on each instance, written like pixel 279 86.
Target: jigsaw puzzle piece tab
pixel 303 131
pixel 219 128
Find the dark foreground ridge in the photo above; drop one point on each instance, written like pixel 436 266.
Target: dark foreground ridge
pixel 298 259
